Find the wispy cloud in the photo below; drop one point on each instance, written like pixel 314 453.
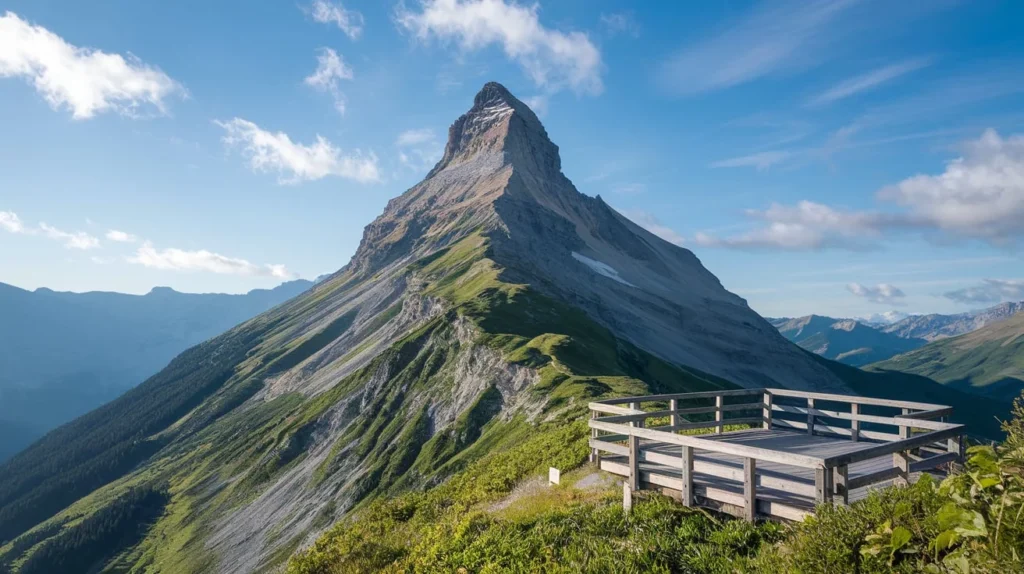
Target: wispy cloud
pixel 415 137
pixel 10 222
pixel 868 81
pixel 553 59
pixel 805 226
pixel 883 293
pixel 618 23
pixel 201 260
pixel 989 291
pixel 121 236
pixel 775 37
pixel 631 188
pixel 84 80
pixel 294 162
pixel 330 69
pixel 760 161
pixel 71 240
pixel 348 21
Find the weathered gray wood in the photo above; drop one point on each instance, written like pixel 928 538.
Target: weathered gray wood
pixel 857 399
pixel 718 414
pixel 875 451
pixel 767 410
pixel 873 478
pixel 634 462
pixel 673 406
pixel 627 497
pixel 810 416
pixel 842 483
pixel 749 489
pixel 684 396
pixel 823 485
pixel 603 446
pixel 855 423
pixel 687 476
pixel 899 420
pixel 612 409
pixel 710 444
pixel 638 421
pixel 901 462
pixel 933 462
pixel 595 454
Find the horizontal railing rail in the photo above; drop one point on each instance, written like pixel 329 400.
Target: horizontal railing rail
pixel 920 428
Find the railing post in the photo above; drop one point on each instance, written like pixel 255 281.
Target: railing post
pixel 749 489
pixel 823 485
pixel 595 454
pixel 842 480
pixel 687 492
pixel 634 462
pixel 636 407
pixel 718 415
pixel 854 424
pixel 810 417
pixel 634 452
pixel 901 460
pixel 955 445
pixel 673 405
pixel 767 410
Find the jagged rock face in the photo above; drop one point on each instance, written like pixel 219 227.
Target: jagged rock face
pixel 501 175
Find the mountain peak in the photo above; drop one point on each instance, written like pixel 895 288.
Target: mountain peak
pixel 498 130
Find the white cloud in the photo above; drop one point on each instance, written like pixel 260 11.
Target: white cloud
pixel 9 221
pixel 419 149
pixel 649 222
pixel 989 291
pixel 348 21
pixel 180 260
pixel 807 225
pixel 415 137
pixel 539 104
pixel 295 162
pixel 979 195
pixel 84 80
pixel 776 37
pixel 868 81
pixel 760 161
pixel 883 293
pixel 329 70
pixel 75 240
pixel 121 236
pixel 551 58
pixel 620 23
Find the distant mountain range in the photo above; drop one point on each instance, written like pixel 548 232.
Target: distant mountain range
pixel 844 340
pixel 860 342
pixel 934 327
pixel 63 354
pixel 988 361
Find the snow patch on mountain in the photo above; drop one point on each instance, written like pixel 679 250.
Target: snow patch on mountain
pixel 601 268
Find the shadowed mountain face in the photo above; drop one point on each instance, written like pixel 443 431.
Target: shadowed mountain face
pixel 486 306
pixel 988 361
pixel 64 354
pixel 844 340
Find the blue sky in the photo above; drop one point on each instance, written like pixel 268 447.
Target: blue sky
pixel 844 158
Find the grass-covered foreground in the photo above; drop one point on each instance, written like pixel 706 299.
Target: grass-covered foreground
pixel 498 516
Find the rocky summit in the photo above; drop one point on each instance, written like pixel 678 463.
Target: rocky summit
pixel 483 309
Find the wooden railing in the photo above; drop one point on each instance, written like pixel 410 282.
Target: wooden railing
pixel 922 440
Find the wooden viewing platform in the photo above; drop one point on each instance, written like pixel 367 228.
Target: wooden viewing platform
pixel 794 450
